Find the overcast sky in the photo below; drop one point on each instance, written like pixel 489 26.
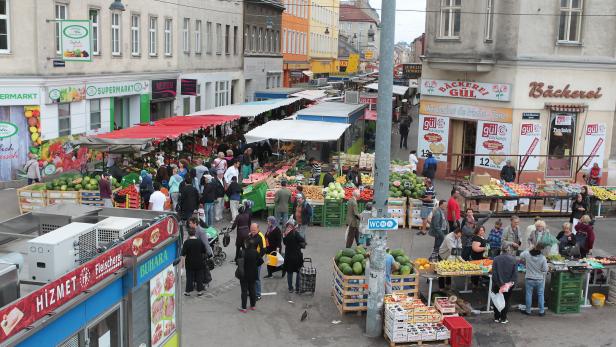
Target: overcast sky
pixel 409 25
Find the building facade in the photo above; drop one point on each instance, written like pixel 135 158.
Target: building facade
pixel 262 45
pixel 361 28
pixel 295 41
pixel 539 91
pixel 323 41
pixel 418 48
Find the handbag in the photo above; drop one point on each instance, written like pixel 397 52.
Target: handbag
pixel 226 240
pixel 275 259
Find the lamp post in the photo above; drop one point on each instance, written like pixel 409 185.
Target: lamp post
pixel 117 5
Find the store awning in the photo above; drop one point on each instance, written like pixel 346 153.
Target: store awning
pixel 311 94
pixel 116 145
pixel 398 90
pixel 308 73
pixel 566 107
pixel 297 130
pixel 197 121
pixel 247 109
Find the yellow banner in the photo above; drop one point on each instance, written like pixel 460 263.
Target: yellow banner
pixel 353 63
pixel 495 114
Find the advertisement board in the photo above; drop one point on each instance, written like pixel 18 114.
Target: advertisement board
pixel 63 94
pixel 433 136
pixel 14 141
pixel 13 96
pixel 53 295
pixel 529 145
pixel 162 306
pixel 76 40
pixel 112 89
pixel 594 144
pixel 496 114
pixel 466 90
pixel 493 140
pixel 163 89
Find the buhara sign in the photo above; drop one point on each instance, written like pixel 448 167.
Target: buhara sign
pixel 50 297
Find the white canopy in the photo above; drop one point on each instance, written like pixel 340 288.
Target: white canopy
pixel 311 94
pixel 247 109
pixel 398 90
pixel 297 130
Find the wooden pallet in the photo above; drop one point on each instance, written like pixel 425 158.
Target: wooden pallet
pixel 416 343
pixel 406 284
pixel 350 293
pixel 30 199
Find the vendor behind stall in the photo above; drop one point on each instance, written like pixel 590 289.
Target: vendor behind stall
pixel 329 178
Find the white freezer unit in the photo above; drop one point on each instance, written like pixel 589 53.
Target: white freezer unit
pixel 112 228
pixel 57 252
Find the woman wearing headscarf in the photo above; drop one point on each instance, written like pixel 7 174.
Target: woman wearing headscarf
pixel 146 187
pixel 242 223
pixel 294 259
pixel 273 242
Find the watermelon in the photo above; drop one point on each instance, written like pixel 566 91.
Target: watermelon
pixel 346 269
pixel 348 252
pixel 345 260
pixel 338 255
pixel 63 187
pixel 397 253
pixel 50 186
pixel 360 250
pixel 405 270
pixel 357 268
pixel 78 187
pixel 357 258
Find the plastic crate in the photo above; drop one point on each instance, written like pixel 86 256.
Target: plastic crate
pixel 461 331
pixel 317 214
pixel 563 309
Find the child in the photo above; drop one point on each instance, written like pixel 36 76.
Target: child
pixel 495 237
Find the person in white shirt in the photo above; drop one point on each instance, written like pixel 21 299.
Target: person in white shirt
pixel 157 199
pixel 233 171
pixel 413 161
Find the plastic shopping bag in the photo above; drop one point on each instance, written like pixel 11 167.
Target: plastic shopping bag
pixel 275 259
pixel 498 300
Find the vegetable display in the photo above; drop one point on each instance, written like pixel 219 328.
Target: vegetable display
pixel 351 261
pixel 76 182
pixel 406 185
pixel 334 192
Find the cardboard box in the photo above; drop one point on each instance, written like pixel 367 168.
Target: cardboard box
pixel 484 205
pixel 536 206
pixel 480 179
pixel 523 208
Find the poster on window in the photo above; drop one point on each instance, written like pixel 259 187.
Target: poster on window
pixel 493 141
pixel 594 144
pixel 14 138
pixel 433 136
pixel 76 40
pixel 529 145
pixel 162 306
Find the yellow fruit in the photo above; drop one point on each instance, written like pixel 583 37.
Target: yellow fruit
pixel 33 130
pixel 34 136
pixel 28 114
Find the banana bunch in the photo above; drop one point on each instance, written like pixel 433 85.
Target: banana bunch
pixel 603 194
pixel 341 179
pixel 367 180
pixel 456 266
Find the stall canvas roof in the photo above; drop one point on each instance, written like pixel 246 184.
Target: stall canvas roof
pixel 312 95
pixel 297 130
pixel 332 112
pixel 398 90
pixel 277 93
pixel 247 109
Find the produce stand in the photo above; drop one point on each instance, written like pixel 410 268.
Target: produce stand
pixel 31 197
pixel 350 293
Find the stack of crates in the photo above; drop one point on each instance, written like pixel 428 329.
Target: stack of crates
pixel 317 212
pixel 461 331
pixel 333 213
pixel 566 292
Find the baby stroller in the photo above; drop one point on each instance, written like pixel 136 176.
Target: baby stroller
pixel 219 255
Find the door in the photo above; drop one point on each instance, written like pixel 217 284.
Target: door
pixel 561 144
pixel 469 141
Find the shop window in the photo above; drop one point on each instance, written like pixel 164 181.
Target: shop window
pixel 198 37
pixel 95 114
pixel 153 37
pixel 61 12
pixel 209 37
pixel 168 37
pixel 116 45
pixel 451 12
pixel 135 34
pixel 570 23
pixel 64 119
pixel 561 144
pixel 107 331
pixel 5 46
pixel 95 16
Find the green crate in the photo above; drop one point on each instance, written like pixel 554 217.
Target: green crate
pixel 562 309
pixel 567 277
pixel 333 212
pixel 317 215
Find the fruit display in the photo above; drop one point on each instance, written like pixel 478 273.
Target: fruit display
pixel 469 190
pixel 367 180
pixel 33 114
pixel 406 185
pixel 555 257
pixel 75 182
pixel 611 260
pixel 492 189
pixel 422 264
pixel 402 264
pixel 341 179
pixel 314 193
pixel 456 267
pixel 366 194
pixel 351 261
pixel 604 194
pixel 497 188
pixel 482 262
pixel 334 191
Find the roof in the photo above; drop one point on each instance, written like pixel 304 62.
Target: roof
pixel 286 130
pixel 279 91
pixel 331 109
pixel 247 109
pixel 352 13
pixel 311 95
pixel 398 90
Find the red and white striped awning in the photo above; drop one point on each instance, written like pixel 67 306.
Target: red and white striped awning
pixel 566 107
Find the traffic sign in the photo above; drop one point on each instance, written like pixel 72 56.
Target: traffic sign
pixel 382 224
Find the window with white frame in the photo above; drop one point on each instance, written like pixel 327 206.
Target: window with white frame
pixel 153 36
pixel 64 119
pixel 272 44
pixel 227 38
pixel 222 93
pixel 5 43
pixel 116 46
pixel 95 17
pixel 570 23
pixel 61 13
pixel 268 45
pixel 209 37
pixel 235 39
pixel 198 37
pixel 489 19
pixel 168 37
pixel 95 114
pixel 247 41
pixel 135 35
pixel 451 12
pixel 260 41
pixel 218 38
pixel 186 35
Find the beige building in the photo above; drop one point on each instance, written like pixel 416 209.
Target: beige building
pixel 323 42
pixel 539 90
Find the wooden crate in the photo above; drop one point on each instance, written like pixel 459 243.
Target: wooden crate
pixel 30 199
pixel 416 343
pixel 63 197
pixel 406 284
pixel 350 293
pixel 92 197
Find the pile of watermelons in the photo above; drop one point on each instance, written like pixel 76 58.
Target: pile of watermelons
pixel 351 261
pixel 402 264
pixel 75 182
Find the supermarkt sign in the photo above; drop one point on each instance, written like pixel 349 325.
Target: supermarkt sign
pixel 13 96
pixel 106 90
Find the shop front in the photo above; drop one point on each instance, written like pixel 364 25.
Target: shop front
pixel 117 105
pixel 162 104
pixel 322 68
pixel 294 73
pixel 15 134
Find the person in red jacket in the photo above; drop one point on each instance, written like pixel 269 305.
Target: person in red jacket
pixel 585 236
pixel 453 210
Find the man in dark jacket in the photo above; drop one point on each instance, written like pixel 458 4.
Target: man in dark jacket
pixel 328 178
pixel 508 172
pixel 208 199
pixel 438 225
pixel 189 201
pixel 429 167
pixel 352 218
pixel 504 271
pixel 302 212
pixel 404 133
pixel 192 255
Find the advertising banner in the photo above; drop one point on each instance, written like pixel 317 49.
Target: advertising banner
pixel 162 306
pixel 76 40
pixel 74 93
pixel 466 90
pixel 411 71
pixel 458 111
pixel 14 141
pixel 13 96
pixel 107 90
pixel 189 87
pixel 163 89
pixel 433 136
pixel 594 144
pixel 492 139
pixel 529 145
pixel 51 296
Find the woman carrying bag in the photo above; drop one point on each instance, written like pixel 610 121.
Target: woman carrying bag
pixel 294 259
pixel 246 272
pixel 273 239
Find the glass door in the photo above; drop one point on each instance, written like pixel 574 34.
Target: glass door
pixel 561 144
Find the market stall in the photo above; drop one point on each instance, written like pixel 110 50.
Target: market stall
pixel 126 295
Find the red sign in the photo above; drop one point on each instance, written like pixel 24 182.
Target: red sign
pixel 51 296
pixel 370 100
pixel 493 129
pixel 429 123
pixel 432 137
pixel 493 145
